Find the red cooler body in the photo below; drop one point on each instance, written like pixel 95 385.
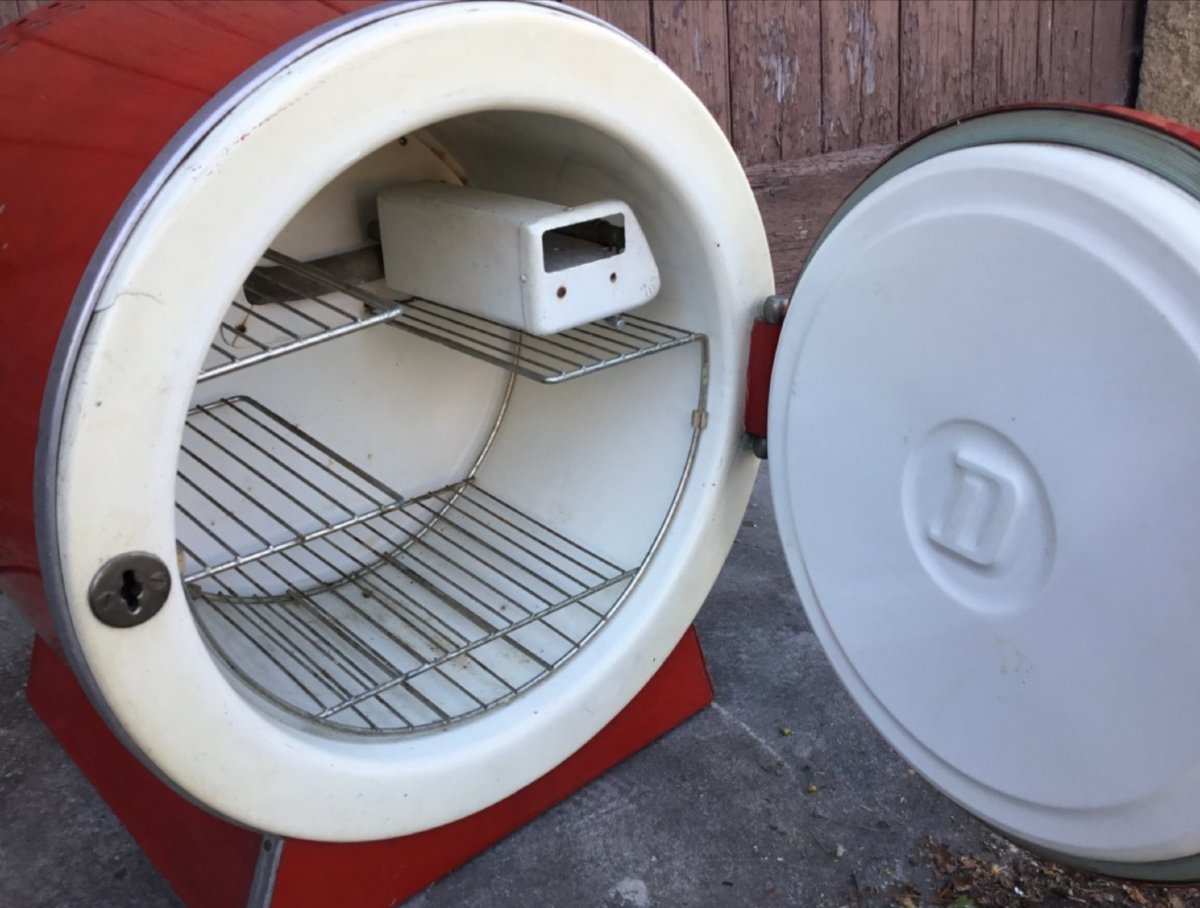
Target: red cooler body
pixel 387 384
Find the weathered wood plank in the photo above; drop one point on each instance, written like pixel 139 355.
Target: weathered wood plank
pixel 1045 36
pixel 935 63
pixel 1006 42
pixel 842 29
pixel 860 72
pixel 630 16
pixel 692 37
pixel 12 10
pixel 775 78
pixel 1115 27
pixel 1065 68
pixel 881 73
pixel 797 197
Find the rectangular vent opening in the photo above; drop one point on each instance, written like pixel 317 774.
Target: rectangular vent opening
pixel 573 245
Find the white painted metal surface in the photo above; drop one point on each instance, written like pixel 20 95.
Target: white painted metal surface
pixel 597 459
pixel 528 264
pixel 985 451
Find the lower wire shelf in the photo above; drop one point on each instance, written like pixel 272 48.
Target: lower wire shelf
pixel 348 606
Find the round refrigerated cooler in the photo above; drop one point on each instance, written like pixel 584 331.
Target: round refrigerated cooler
pixel 388 393
pixel 351 483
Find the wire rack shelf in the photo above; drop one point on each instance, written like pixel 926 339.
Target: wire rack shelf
pixel 345 604
pixel 293 305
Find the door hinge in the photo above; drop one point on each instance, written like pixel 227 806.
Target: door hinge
pixel 764 341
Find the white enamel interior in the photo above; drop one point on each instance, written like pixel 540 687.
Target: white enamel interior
pixel 599 457
pixel 501 272
pixel 985 451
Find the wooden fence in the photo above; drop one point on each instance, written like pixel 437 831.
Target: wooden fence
pixel 812 93
pixel 792 78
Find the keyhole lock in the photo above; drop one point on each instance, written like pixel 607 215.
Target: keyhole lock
pixel 129 589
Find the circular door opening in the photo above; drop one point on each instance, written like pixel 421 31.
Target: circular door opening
pixel 393 514
pixel 418 559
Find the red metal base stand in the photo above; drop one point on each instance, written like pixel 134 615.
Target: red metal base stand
pixel 214 864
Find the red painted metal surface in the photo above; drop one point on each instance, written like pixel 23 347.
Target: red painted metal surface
pixel 91 92
pixel 1178 130
pixel 210 862
pixel 764 341
pixel 1152 121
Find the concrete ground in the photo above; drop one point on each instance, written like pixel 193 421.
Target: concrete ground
pixel 719 812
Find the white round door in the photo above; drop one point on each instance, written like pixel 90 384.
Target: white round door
pixel 985 458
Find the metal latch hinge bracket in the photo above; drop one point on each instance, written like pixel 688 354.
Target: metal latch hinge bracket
pixel 764 341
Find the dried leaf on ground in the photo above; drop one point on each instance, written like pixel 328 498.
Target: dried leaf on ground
pixel 1011 877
